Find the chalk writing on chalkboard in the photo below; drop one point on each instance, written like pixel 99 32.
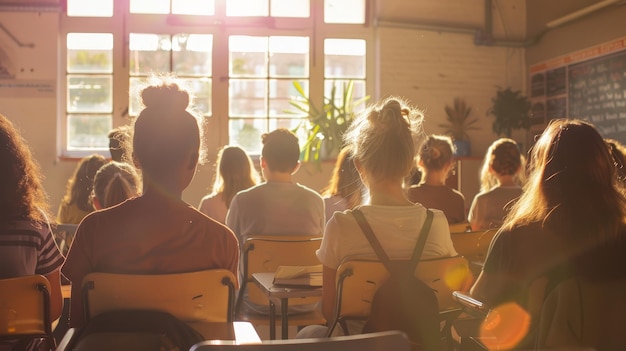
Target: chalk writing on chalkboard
pixel 597 93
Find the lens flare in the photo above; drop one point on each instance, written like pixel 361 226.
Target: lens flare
pixel 505 327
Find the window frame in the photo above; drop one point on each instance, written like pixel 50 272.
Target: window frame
pixel 221 27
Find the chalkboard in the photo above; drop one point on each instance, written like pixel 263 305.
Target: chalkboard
pixel 597 93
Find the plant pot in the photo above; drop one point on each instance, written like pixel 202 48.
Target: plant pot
pixel 462 148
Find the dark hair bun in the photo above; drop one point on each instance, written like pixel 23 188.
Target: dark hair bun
pixel 168 96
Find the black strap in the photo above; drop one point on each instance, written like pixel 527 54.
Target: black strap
pixel 378 249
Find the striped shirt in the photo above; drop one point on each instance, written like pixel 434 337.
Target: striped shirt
pixel 27 248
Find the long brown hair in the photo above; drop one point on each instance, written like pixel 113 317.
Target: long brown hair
pixel 22 195
pixel 572 186
pixel 80 186
pixel 345 180
pixel 235 173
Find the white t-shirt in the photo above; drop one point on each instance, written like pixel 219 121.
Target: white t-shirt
pixel 395 227
pixel 213 206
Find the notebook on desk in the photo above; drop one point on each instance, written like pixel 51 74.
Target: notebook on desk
pixel 299 275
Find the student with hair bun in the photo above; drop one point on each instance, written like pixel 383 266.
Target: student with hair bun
pixel 155 233
pixel 383 150
pixel 501 176
pixel 114 183
pixel 435 161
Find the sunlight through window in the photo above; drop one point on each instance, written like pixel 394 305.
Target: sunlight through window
pixel 344 11
pixel 90 8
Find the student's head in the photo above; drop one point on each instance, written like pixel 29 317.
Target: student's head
pixel 618 151
pixel 572 183
pixel 345 180
pixel 119 142
pixel 114 183
pixel 436 153
pixel 166 137
pixel 235 172
pixel 281 151
pixel 80 186
pixel 382 140
pixel 22 195
pixel 503 158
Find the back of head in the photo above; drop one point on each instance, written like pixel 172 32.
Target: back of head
pixel 281 150
pixel 114 183
pixel 436 152
pixel 345 180
pixel 80 185
pixel 21 192
pixel 382 139
pixel 572 186
pixel 503 158
pixel 165 134
pixel 236 172
pixel 119 143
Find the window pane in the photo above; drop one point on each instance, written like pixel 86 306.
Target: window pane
pixel 89 94
pixel 281 92
pixel 201 90
pixel 150 6
pixel 193 7
pixel 248 56
pixel 290 8
pixel 344 58
pixel 192 54
pixel 89 53
pixel 344 11
pixel 247 97
pixel 90 8
pixel 247 8
pixel 289 56
pixel 246 132
pixel 88 131
pixel 149 53
pixel 358 91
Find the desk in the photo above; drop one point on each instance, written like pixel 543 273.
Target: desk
pixel 281 294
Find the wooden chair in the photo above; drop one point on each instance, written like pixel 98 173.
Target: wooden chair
pixel 473 246
pixel 462 227
pixel 191 297
pixel 358 279
pixel 25 309
pixel 264 253
pixel 382 341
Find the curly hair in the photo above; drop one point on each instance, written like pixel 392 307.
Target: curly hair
pixel 80 186
pixel 22 196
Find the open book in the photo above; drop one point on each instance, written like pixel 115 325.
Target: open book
pixel 299 275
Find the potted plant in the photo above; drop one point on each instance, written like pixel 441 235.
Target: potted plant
pixel 459 123
pixel 325 122
pixel 511 111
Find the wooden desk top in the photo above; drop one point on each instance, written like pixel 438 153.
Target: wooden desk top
pixel 265 281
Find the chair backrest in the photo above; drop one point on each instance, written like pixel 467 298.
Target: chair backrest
pixel 473 245
pixel 64 235
pixel 264 253
pixel 381 341
pixel 195 296
pixel 460 227
pixel 583 313
pixel 358 280
pixel 25 308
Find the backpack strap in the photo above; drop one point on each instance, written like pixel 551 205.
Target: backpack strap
pixel 378 249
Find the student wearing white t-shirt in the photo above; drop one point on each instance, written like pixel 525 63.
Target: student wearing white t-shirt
pixel 382 143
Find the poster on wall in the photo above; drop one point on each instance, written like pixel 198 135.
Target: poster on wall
pixel 589 84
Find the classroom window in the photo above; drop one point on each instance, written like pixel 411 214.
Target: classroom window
pixel 239 58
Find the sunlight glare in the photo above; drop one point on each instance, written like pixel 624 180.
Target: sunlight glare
pixel 349 47
pixel 90 8
pixel 505 327
pixel 90 41
pixel 344 11
pixel 193 7
pixel 248 8
pixel 150 6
